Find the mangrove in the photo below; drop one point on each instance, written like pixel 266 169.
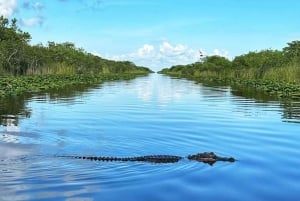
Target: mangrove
pixel 25 67
pixel 275 72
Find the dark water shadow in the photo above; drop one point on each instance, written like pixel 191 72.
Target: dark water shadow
pixel 290 107
pixel 15 108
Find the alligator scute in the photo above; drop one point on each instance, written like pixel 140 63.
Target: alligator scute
pixel 205 157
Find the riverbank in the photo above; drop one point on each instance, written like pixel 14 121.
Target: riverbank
pixel 16 85
pixel 274 72
pixel 279 89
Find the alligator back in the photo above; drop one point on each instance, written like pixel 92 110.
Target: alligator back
pixel 147 158
pixel 205 157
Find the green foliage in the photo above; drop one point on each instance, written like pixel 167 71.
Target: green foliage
pixel 264 59
pixel 217 62
pixel 261 70
pixel 13 46
pixel 10 32
pixel 289 73
pixel 292 52
pixel 17 57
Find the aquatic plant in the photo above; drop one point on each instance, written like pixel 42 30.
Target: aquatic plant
pixel 10 85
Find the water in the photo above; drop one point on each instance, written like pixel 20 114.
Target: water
pixel 149 115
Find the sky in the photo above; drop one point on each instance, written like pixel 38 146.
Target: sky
pixel 159 33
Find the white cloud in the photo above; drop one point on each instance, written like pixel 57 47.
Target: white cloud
pixel 222 53
pixel 159 56
pixel 167 49
pixel 35 8
pixel 33 5
pixel 38 6
pixel 145 51
pixel 32 21
pixel 7 7
pixel 164 54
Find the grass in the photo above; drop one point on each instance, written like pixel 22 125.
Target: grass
pixel 290 73
pixel 282 82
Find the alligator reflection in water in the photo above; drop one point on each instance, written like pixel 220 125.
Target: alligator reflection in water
pixel 205 157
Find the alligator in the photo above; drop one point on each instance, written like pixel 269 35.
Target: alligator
pixel 205 157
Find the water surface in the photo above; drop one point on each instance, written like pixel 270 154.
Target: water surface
pixel 149 115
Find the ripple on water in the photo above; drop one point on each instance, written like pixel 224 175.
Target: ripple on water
pixel 151 115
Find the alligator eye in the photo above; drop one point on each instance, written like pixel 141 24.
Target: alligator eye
pixel 231 159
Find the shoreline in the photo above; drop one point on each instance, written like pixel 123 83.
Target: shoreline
pixel 279 89
pixel 17 85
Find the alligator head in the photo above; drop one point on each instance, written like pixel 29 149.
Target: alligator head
pixel 209 157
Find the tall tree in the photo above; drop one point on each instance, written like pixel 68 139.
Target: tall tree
pixel 292 51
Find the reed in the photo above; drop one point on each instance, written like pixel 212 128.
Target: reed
pixel 281 81
pixel 289 73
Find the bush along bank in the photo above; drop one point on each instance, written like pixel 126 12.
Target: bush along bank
pixel 269 87
pixel 25 67
pixel 271 71
pixel 18 57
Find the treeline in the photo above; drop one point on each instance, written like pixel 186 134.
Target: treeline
pixel 272 71
pixel 18 57
pixel 276 65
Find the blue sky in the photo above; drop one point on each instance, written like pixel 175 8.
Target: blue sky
pixel 159 33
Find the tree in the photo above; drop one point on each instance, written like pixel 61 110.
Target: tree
pixel 9 31
pixel 13 43
pixel 218 61
pixel 263 60
pixel 292 51
pixel 18 57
